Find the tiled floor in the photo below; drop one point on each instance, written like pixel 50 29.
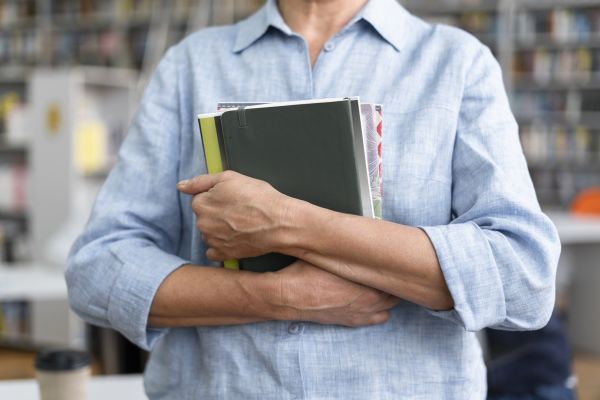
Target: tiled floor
pixel 19 365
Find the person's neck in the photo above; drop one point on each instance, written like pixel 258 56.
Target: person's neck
pixel 318 20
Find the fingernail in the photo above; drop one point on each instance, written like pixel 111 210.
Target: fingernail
pixel 184 182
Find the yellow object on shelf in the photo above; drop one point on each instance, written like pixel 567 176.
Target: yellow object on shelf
pixel 90 147
pixel 53 119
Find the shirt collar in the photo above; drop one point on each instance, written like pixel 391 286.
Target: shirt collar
pixel 387 17
pixel 256 25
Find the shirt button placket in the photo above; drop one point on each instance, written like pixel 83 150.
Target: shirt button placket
pixel 329 46
pixel 295 328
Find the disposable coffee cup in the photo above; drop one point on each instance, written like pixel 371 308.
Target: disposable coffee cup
pixel 63 374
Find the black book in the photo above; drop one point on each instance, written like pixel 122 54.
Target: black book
pixel 310 150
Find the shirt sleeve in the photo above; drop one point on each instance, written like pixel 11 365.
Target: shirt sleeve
pixel 129 244
pixel 499 254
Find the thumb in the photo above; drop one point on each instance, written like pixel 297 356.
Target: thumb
pixel 199 184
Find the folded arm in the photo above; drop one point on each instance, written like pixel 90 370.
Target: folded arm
pixel 397 259
pixel 194 295
pixel 394 258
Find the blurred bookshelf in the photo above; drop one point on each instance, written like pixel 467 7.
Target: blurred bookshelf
pixel 549 51
pixel 103 32
pixel 121 40
pixel 71 72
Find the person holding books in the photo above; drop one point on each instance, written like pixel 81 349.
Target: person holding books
pixel 372 309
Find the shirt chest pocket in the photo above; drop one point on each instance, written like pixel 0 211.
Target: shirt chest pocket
pixel 417 154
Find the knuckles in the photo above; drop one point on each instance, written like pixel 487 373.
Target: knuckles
pixel 229 174
pixel 199 201
pixel 201 224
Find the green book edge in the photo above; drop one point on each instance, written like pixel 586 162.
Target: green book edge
pixel 212 155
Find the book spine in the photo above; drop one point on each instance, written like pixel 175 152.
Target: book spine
pixel 212 157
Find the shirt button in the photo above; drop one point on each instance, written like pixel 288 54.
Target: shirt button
pixel 329 46
pixel 295 328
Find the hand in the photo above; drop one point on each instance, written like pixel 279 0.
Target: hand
pixel 238 216
pixel 312 294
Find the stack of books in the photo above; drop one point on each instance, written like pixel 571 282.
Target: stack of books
pixel 326 152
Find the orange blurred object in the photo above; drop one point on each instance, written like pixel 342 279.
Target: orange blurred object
pixel 587 202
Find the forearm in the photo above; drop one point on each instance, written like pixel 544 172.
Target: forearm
pixel 193 296
pixel 393 258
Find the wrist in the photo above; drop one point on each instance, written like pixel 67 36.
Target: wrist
pixel 299 218
pixel 266 297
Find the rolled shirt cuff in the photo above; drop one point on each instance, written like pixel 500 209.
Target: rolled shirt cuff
pixel 467 263
pixel 141 274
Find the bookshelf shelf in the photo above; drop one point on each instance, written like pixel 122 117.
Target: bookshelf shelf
pixel 107 20
pixel 455 7
pixel 585 118
pixel 545 5
pixel 489 39
pixel 547 42
pixel 12 152
pixel 19 24
pixel 13 73
pixel 14 216
pixel 593 166
pixel 529 84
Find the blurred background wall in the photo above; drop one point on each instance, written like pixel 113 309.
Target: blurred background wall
pixel 72 71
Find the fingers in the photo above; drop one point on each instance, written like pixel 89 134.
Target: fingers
pixel 373 319
pixel 390 302
pixel 198 184
pixel 214 255
pixel 379 318
pixel 203 183
pixel 198 202
pixel 367 320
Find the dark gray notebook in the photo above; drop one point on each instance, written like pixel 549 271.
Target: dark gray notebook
pixel 311 151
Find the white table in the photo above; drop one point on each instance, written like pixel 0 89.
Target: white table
pixel 31 282
pixel 122 387
pixel 44 286
pixel 574 229
pixel 580 237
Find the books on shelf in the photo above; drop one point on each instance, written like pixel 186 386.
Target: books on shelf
pixel 15 319
pixel 11 97
pixel 13 184
pixel 11 11
pixel 569 66
pixel 313 150
pixel 559 25
pixel 545 142
pixel 92 32
pixel 567 106
pixel 478 23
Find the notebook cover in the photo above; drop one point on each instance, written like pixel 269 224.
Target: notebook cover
pixel 306 151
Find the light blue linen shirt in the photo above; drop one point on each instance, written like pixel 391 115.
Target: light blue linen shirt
pixel 452 164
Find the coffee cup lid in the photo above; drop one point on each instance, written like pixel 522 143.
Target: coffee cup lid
pixel 61 360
